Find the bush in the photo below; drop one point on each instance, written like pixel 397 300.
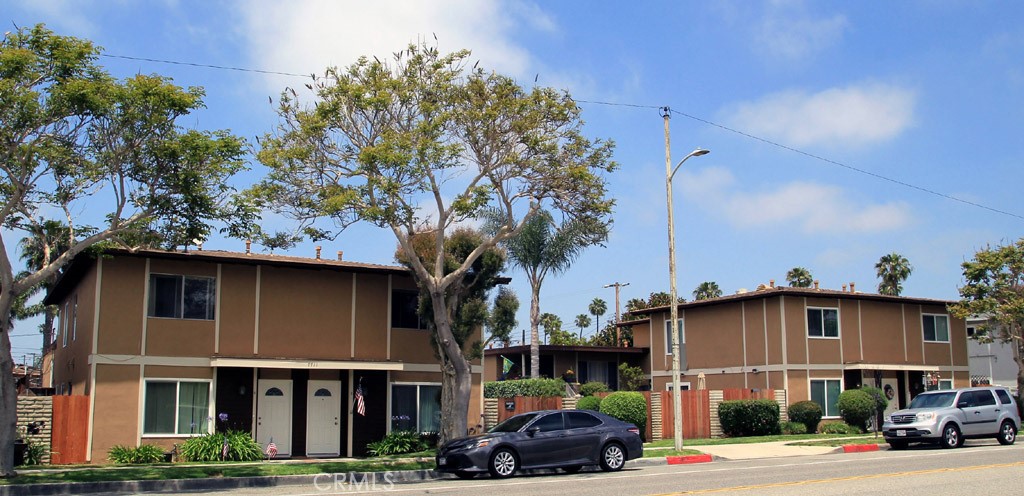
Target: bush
pixel 856 406
pixel 627 407
pixel 209 447
pixel 589 403
pixel 839 428
pixel 791 428
pixel 592 387
pixel 397 443
pixel 147 453
pixel 881 403
pixel 749 417
pixel 631 378
pixel 807 413
pixel 524 387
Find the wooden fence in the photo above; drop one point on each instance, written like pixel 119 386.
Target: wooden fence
pixel 696 409
pixel 70 430
pixel 748 394
pixel 508 407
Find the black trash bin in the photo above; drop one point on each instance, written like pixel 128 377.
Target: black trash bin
pixel 20 447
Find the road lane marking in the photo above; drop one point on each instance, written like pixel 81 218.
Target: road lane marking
pixel 842 479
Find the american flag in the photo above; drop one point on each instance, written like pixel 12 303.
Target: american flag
pixel 360 402
pixel 271 449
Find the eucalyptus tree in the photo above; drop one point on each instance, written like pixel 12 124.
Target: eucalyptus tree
pixel 799 277
pixel 77 143
pixel 706 290
pixel 892 270
pixel 542 248
pixel 418 143
pixel 597 308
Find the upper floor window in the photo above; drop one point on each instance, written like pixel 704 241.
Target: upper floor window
pixel 936 328
pixel 823 322
pixel 404 309
pixel 681 328
pixel 182 297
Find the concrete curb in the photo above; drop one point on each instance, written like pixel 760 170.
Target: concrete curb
pixel 860 448
pixel 682 460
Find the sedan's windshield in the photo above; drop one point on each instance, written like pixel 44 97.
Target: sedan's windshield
pixel 933 400
pixel 513 424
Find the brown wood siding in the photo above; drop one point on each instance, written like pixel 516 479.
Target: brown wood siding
pixel 958 336
pixel 122 306
pixel 849 323
pixel 167 372
pixel 776 380
pixel 824 351
pixel 372 296
pixel 754 312
pixel 714 337
pixel 116 416
pixel 798 386
pixel 773 324
pixel 796 329
pixel 71 361
pixel 882 329
pixel 182 268
pixel 180 337
pixel 237 310
pixel 305 313
pixel 915 333
pixel 936 354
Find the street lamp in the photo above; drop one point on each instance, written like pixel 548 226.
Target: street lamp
pixel 677 403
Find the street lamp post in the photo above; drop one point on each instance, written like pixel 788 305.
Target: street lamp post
pixel 677 403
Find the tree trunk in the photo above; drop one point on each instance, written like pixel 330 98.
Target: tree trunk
pixel 456 377
pixel 535 334
pixel 51 313
pixel 8 392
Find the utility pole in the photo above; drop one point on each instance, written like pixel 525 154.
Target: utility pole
pixel 617 285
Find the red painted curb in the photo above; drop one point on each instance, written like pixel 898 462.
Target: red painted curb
pixel 859 448
pixel 679 460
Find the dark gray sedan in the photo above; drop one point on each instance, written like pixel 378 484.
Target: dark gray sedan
pixel 547 439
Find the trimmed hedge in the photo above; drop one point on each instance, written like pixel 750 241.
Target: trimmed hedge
pixel 592 387
pixel 627 407
pixel 791 428
pixel 807 413
pixel 839 428
pixel 749 417
pixel 524 387
pixel 589 403
pixel 856 406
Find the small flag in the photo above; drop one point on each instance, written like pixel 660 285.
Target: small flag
pixel 359 400
pixel 224 449
pixel 506 365
pixel 271 449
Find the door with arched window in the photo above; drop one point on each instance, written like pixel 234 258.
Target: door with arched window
pixel 274 415
pixel 323 418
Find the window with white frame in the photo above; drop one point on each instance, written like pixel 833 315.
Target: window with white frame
pixel 74 318
pixel 668 335
pixel 823 322
pixel 936 328
pixel 945 383
pixel 65 316
pixel 182 297
pixel 825 392
pixel 174 407
pixel 416 407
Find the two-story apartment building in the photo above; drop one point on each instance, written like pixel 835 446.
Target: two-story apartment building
pixel 814 343
pixel 167 345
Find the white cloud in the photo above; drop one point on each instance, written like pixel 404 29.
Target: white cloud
pixel 306 37
pixel 63 15
pixel 851 116
pixel 798 38
pixel 811 207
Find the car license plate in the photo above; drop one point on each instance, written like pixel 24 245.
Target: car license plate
pixel 441 460
pixel 901 433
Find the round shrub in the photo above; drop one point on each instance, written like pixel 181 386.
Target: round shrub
pixel 839 428
pixel 627 407
pixel 589 403
pixel 807 413
pixel 791 428
pixel 592 387
pixel 856 406
pixel 740 418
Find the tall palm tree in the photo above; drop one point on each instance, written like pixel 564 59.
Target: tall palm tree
pixel 597 308
pixel 892 269
pixel 543 248
pixel 799 277
pixel 582 321
pixel 551 324
pixel 706 290
pixel 47 241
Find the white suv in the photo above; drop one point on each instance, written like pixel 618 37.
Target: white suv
pixel 949 416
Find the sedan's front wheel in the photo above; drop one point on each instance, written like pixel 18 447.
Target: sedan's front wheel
pixel 612 457
pixel 1007 433
pixel 951 436
pixel 503 464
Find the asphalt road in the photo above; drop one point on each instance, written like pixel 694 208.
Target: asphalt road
pixel 980 468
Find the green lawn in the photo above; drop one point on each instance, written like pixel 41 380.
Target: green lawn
pixel 668 443
pixel 864 439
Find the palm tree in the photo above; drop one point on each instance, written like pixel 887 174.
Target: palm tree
pixel 47 241
pixel 892 269
pixel 706 290
pixel 597 308
pixel 543 248
pixel 551 324
pixel 582 321
pixel 799 277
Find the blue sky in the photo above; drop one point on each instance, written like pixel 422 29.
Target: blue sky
pixel 793 98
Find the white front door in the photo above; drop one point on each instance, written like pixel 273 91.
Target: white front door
pixel 323 418
pixel 274 415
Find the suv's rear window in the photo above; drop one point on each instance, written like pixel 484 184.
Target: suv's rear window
pixel 1004 397
pixel 933 400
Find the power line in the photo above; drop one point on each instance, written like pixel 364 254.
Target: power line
pixel 207 66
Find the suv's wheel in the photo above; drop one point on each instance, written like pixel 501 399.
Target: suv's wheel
pixel 503 463
pixel 1007 433
pixel 951 436
pixel 612 457
pixel 898 445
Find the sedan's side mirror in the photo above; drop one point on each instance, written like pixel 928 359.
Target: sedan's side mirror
pixel 532 430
